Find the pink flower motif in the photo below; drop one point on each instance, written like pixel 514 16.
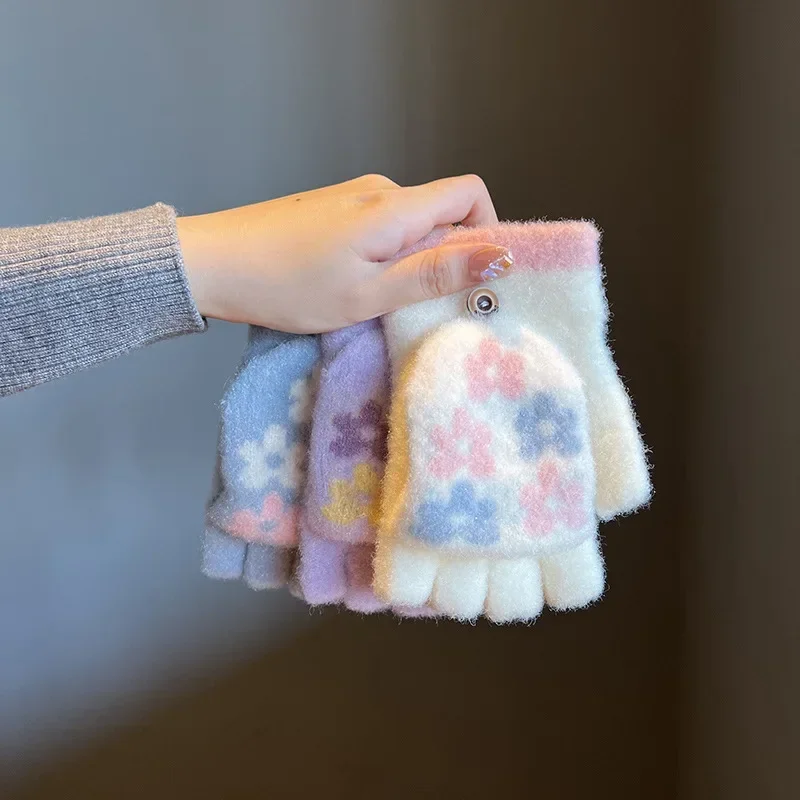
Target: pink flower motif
pixel 494 369
pixel 246 525
pixel 464 445
pixel 282 521
pixel 552 500
pixel 275 525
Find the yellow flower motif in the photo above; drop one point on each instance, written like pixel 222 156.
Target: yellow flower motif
pixel 352 500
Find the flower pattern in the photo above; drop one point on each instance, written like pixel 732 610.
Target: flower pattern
pixel 362 433
pixel 352 500
pixel 465 445
pixel 275 524
pixel 300 405
pixel 463 516
pixel 543 424
pixel 494 369
pixel 552 500
pixel 272 460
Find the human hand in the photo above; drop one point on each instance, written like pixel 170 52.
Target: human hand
pixel 320 260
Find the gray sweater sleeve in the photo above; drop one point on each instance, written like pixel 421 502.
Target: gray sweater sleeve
pixel 76 293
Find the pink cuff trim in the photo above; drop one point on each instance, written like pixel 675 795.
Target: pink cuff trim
pixel 537 246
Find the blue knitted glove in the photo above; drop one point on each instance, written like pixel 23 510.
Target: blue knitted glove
pixel 252 517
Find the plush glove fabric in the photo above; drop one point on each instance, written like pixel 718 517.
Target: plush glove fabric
pixel 345 467
pixel 511 435
pixel 252 518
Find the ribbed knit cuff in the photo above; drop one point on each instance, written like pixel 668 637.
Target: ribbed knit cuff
pixel 76 293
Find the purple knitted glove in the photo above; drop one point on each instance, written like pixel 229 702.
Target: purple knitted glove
pixel 345 466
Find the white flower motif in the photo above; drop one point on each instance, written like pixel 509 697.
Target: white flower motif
pixel 272 459
pixel 300 401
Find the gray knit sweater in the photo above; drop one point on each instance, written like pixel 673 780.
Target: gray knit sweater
pixel 76 293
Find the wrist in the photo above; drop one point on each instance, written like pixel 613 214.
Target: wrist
pixel 198 273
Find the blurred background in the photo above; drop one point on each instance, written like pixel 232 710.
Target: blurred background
pixel 124 673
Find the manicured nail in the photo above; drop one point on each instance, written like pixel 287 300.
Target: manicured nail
pixel 490 263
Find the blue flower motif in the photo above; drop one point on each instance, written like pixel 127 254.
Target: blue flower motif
pixel 543 424
pixel 464 516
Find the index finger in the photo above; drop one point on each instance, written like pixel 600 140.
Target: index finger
pixel 463 199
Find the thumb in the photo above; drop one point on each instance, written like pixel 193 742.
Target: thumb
pixel 440 271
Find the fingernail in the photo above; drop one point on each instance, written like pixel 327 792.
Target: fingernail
pixel 490 263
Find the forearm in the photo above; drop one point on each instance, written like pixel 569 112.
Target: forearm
pixel 76 293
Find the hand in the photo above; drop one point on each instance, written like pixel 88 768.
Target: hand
pixel 320 260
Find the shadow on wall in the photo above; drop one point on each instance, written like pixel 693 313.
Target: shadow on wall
pixel 361 707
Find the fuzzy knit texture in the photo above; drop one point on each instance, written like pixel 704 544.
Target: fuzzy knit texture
pixel 260 566
pixel 253 514
pixel 73 294
pixel 348 435
pixel 511 435
pixel 345 468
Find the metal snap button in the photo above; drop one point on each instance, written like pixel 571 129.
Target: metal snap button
pixel 482 302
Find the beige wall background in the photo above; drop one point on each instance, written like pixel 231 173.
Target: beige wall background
pixel 126 674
